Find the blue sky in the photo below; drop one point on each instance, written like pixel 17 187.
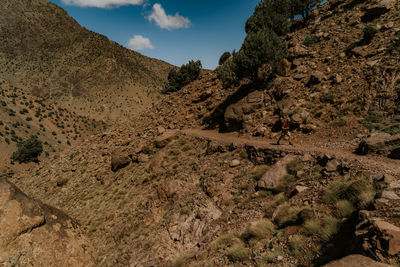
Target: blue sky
pixel 203 30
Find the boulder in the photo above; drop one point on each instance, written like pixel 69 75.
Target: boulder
pixel 234 163
pixel 34 234
pixel 298 51
pixel 389 236
pixel 316 77
pixel 395 153
pixel 332 165
pixel 362 51
pixel 162 140
pixel 234 114
pixel 272 179
pixel 376 10
pixel 390 195
pixel 377 143
pixel 356 261
pixel 119 159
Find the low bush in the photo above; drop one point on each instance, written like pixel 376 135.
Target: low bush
pixel 310 39
pixel 28 151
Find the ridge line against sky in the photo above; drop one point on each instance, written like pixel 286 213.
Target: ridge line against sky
pixel 175 31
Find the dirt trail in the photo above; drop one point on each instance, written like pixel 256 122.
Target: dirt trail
pixel 369 163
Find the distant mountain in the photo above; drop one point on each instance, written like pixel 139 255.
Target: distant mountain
pixel 45 51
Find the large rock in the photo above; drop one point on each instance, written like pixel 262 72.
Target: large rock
pixel 34 234
pixel 389 236
pixel 162 140
pixel 272 179
pixel 356 261
pixel 119 159
pixel 395 153
pixel 377 143
pixel 376 10
pixel 234 114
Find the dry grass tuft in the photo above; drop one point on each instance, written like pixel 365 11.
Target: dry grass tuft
pixel 238 252
pixel 343 209
pixel 271 205
pixel 358 189
pixel 258 230
pixel 259 171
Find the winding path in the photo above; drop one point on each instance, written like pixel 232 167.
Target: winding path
pixel 373 163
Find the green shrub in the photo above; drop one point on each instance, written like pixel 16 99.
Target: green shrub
pixel 258 49
pixel 310 39
pixel 185 75
pixel 369 33
pixel 226 74
pixel 224 57
pixel 28 150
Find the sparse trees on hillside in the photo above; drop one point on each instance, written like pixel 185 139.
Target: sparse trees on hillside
pixel 185 75
pixel 258 49
pixel 262 45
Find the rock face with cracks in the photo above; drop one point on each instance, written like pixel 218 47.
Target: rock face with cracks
pixel 34 234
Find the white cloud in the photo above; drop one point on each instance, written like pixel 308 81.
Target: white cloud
pixel 138 42
pixel 102 3
pixel 165 21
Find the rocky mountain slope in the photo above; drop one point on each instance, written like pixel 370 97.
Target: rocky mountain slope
pixel 46 52
pixel 23 115
pixel 172 188
pixel 34 234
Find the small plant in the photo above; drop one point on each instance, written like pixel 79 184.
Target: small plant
pixel 270 206
pixel 259 171
pixel 343 208
pixel 293 166
pixel 297 244
pixel 238 252
pixel 328 98
pixel 310 39
pixel 287 215
pixel 258 230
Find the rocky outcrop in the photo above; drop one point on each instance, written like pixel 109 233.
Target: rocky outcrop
pixel 379 236
pixel 272 179
pixel 377 143
pixel 234 114
pixel 377 9
pixel 356 261
pixel 119 160
pixel 34 234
